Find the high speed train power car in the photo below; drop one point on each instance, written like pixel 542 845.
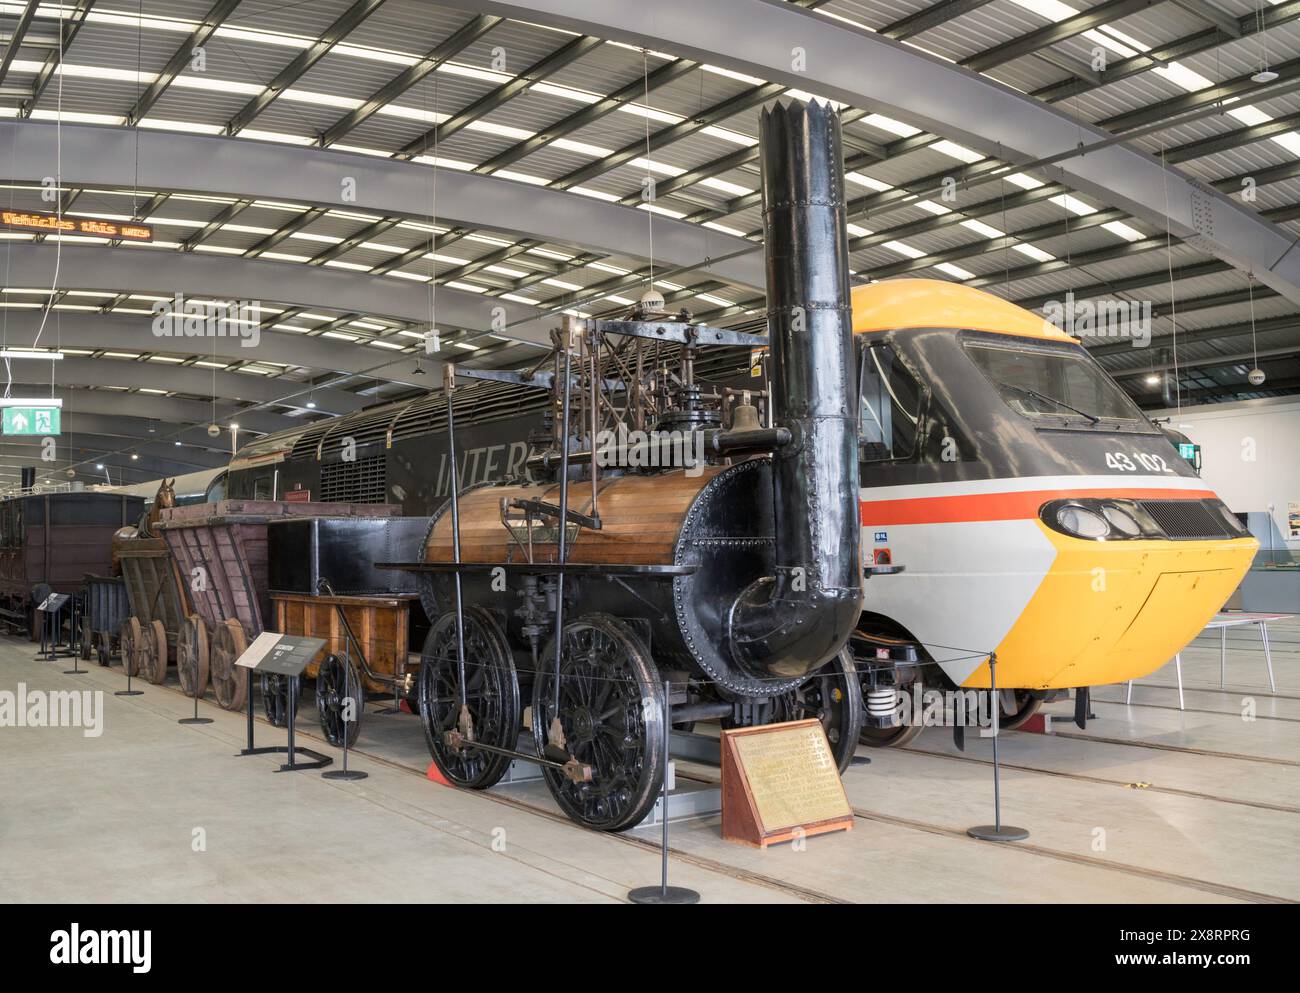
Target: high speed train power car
pixel 1037 511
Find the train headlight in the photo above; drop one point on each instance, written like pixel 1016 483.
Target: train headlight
pixel 1082 522
pixel 1231 519
pixel 1122 521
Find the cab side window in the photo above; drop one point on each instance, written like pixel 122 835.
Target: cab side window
pixel 890 404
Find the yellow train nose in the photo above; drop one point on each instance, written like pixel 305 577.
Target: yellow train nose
pixel 1110 611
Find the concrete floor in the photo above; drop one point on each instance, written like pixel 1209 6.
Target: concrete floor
pixel 1148 804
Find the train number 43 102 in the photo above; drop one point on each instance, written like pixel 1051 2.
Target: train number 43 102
pixel 1121 462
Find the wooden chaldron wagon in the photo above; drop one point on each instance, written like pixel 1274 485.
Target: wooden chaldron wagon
pixel 157 597
pixel 220 550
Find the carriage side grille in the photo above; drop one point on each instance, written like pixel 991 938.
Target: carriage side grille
pixel 361 481
pixel 1186 519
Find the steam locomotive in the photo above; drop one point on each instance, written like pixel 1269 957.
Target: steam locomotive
pixel 1033 509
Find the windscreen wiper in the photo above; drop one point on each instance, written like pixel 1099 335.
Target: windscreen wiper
pixel 1045 398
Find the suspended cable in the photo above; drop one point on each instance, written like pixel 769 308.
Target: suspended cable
pixel 1173 301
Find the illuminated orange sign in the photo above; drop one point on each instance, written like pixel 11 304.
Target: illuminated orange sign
pixel 52 223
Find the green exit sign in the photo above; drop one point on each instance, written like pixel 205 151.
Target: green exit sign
pixel 31 420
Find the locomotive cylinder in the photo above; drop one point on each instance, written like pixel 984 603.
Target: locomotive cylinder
pixel 792 622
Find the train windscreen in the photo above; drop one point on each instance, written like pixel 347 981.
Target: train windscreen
pixel 1055 381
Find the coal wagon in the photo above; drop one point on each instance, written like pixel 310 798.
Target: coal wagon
pixel 56 539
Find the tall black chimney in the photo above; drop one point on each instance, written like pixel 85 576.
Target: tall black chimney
pixel 791 623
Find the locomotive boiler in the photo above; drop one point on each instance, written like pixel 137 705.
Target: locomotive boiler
pixel 737 578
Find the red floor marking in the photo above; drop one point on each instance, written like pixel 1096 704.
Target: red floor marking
pixel 435 774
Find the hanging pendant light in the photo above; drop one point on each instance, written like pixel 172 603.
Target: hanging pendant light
pixel 1256 375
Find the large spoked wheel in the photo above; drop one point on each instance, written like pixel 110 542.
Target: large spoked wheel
pixel 275 699
pixel 611 713
pixel 831 696
pixel 1017 707
pixel 153 653
pixel 83 646
pixel 130 638
pixel 491 699
pixel 339 700
pixel 192 656
pixel 229 681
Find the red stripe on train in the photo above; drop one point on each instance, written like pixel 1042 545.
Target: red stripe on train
pixel 1016 506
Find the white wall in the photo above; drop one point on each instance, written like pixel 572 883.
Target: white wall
pixel 1226 433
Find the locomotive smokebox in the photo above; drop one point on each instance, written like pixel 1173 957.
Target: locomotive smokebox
pixel 792 622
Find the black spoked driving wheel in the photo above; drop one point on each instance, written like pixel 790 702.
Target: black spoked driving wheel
pixel 611 716
pixel 491 699
pixel 340 698
pixel 833 697
pixel 275 699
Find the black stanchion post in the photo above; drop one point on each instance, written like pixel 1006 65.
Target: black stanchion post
pixel 249 749
pixel 997 831
pixel 292 690
pixel 76 669
pixel 345 772
pixel 126 664
pixel 663 893
pixel 196 719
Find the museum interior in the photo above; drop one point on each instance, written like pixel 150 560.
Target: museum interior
pixel 740 452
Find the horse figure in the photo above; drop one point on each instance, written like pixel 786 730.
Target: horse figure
pixel 165 497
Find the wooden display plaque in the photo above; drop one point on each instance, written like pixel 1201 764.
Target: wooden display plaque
pixel 780 781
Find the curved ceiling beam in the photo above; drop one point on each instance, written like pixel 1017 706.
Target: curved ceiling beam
pixel 101 446
pixel 197 382
pixel 867 70
pixel 165 272
pixel 162 161
pixel 16 452
pixel 133 433
pixel 171 417
pixel 134 332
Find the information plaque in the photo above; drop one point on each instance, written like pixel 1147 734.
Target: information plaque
pixel 780 782
pixel 286 656
pixel 53 603
pixel 274 654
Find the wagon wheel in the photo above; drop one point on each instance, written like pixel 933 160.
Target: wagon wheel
pixel 338 681
pixel 491 698
pixel 105 654
pixel 833 697
pixel 275 699
pixel 153 657
pixel 192 655
pixel 1017 707
pixel 84 646
pixel 229 681
pixel 129 639
pixel 611 712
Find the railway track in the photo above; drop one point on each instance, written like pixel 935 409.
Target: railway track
pixel 806 894
pixel 1217 689
pixel 1194 710
pixel 1101 780
pixel 811 895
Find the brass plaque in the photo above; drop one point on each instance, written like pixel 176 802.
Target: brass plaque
pixel 791 774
